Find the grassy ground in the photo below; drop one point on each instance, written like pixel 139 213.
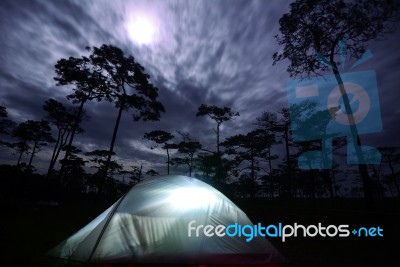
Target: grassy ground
pixel 28 232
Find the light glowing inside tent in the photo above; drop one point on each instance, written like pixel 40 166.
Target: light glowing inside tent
pixel 187 198
pixel 141 30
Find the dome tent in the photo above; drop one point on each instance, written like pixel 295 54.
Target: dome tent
pixel 150 224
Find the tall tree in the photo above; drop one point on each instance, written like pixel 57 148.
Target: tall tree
pixel 74 177
pixel 391 156
pixel 280 123
pixel 21 133
pixel 188 147
pixel 64 119
pixel 205 163
pixel 6 125
pixel 103 177
pixel 268 122
pixel 99 159
pixel 3 112
pixel 162 138
pixel 219 115
pixel 130 87
pixel 318 26
pixel 136 174
pixel 38 132
pixel 250 148
pixel 89 84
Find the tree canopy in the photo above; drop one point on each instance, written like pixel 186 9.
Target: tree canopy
pixel 317 26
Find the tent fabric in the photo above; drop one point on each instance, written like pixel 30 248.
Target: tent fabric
pixel 149 224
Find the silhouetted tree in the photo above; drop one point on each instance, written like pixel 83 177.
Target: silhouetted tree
pixel 130 87
pixel 3 116
pixel 188 147
pixel 271 183
pixel 6 125
pixel 74 178
pixel 391 156
pixel 136 174
pixel 64 119
pixel 22 146
pixel 103 177
pixel 99 158
pixel 205 163
pixel 317 26
pixel 268 122
pixel 283 126
pixel 316 121
pixel 162 137
pixel 219 115
pixel 152 172
pixel 377 181
pixel 3 112
pixel 246 186
pixel 89 84
pixel 250 148
pixel 38 132
pixel 279 123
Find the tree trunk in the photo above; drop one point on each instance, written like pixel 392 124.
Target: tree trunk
pixel 191 164
pixel 253 174
pixel 289 172
pixel 140 172
pixel 368 193
pixel 114 137
pixel 53 156
pixel 218 170
pixel 33 154
pixel 167 159
pixel 76 124
pixel 20 156
pixel 269 160
pixel 64 140
pixel 218 125
pixel 393 174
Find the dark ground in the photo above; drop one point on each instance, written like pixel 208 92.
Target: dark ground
pixel 28 231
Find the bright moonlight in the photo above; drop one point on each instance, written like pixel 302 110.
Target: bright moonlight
pixel 141 30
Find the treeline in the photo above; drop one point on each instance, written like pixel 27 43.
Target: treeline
pixel 106 75
pixel 264 161
pixel 260 163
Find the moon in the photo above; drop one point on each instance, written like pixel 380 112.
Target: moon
pixel 141 30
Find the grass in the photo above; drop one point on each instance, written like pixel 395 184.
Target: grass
pixel 28 232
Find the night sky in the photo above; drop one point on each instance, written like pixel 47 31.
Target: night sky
pixel 212 52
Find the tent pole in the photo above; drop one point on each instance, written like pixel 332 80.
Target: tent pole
pixel 105 226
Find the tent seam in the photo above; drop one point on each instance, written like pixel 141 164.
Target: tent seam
pixel 105 226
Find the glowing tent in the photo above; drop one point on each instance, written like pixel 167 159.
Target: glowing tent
pixel 150 224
